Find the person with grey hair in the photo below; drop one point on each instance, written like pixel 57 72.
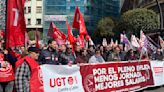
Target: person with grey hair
pixel 97 58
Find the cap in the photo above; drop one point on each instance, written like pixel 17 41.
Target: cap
pixel 33 49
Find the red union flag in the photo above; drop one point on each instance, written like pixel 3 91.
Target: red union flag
pixel 55 33
pixel 16 27
pixel 51 31
pixel 75 23
pixel 79 23
pixel 70 34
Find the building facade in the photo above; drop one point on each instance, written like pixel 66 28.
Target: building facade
pixel 34 15
pixel 2 14
pixel 58 11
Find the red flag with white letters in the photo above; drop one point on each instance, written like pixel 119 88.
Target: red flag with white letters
pixel 16 26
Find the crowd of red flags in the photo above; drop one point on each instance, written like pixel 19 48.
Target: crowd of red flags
pixel 78 23
pixel 16 27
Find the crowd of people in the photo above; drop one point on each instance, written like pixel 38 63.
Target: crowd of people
pixel 23 60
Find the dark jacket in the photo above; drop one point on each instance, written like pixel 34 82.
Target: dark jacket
pixel 157 56
pixel 49 57
pixel 66 58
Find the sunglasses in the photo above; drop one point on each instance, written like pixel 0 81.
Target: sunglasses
pixel 69 48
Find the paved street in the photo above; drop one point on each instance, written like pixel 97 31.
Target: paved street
pixel 157 89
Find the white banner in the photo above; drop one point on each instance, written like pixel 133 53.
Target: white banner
pixel 158 72
pixel 58 78
pixel 64 78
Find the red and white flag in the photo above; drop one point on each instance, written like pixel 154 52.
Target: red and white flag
pixel 16 26
pixel 79 23
pixel 56 34
pixel 75 23
pixel 70 34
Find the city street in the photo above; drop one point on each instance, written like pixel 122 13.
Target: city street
pixel 81 45
pixel 157 89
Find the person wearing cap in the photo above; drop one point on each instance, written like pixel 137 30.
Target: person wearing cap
pixel 50 55
pixel 24 68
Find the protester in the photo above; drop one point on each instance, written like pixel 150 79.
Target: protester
pixel 77 50
pixel 50 55
pixel 70 54
pixel 116 54
pixel 6 69
pixel 158 55
pixel 130 55
pixel 107 53
pixel 83 57
pixel 91 50
pixel 96 58
pixel 122 52
pixel 24 69
pixel 66 56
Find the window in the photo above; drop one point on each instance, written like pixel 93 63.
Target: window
pixel 29 10
pixel 38 21
pixel 25 10
pixel 38 9
pixel 28 21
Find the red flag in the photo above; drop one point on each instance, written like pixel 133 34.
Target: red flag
pixel 79 23
pixel 51 30
pixel 55 33
pixel 88 37
pixel 16 26
pixel 70 35
pixel 83 30
pixel 37 39
pixel 75 23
